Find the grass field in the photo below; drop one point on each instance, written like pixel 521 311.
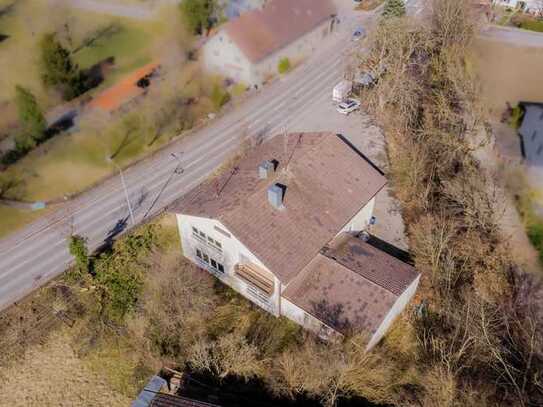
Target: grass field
pixel 507 74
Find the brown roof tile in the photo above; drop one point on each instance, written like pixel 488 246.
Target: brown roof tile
pixel 371 261
pixel 260 32
pixel 327 183
pixel 352 285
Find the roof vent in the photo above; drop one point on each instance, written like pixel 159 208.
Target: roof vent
pixel 276 193
pixel 265 169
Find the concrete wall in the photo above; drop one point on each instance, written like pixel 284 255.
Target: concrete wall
pixel 396 309
pixel 223 57
pixel 361 220
pixel 232 252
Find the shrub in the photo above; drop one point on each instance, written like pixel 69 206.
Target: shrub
pixel 535 233
pixel 80 252
pixel 283 66
pixel 394 8
pixel 219 97
pixel 517 114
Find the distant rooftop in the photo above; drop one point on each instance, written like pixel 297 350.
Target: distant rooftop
pixel 262 31
pixel 327 182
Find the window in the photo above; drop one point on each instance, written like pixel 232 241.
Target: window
pixel 218 244
pixel 202 234
pixel 223 232
pixel 213 264
pixel 206 258
pixel 198 253
pixel 210 240
pixel 194 230
pixel 220 267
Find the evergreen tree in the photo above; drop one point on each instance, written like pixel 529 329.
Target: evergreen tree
pixel 198 14
pixel 58 68
pixel 31 117
pixel 394 8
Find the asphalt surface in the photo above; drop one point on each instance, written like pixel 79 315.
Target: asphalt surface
pixel 38 253
pixel 513 36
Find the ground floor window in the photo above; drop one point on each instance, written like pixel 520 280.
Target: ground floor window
pixel 215 265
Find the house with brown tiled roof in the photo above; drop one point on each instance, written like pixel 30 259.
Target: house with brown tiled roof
pixel 285 227
pixel 248 49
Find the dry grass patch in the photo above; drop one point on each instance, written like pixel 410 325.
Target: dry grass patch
pixel 52 375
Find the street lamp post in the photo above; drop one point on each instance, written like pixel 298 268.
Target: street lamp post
pixel 125 191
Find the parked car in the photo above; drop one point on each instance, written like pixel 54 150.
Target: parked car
pixel 342 91
pixel 348 106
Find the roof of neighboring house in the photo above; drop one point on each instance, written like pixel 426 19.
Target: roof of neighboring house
pixel 327 182
pixel 123 91
pixel 351 284
pixel 531 133
pixel 260 32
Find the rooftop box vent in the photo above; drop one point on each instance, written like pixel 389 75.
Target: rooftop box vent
pixel 265 169
pixel 276 193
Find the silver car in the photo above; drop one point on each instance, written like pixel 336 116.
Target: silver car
pixel 348 106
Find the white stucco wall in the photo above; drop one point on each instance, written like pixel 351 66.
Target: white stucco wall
pixel 396 309
pixel 222 56
pixel 361 220
pixel 233 252
pixel 308 321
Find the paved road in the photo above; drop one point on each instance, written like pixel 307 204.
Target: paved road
pixel 33 256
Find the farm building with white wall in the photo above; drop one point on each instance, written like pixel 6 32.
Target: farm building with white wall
pixel 248 49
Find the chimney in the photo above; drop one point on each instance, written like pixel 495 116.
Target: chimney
pixel 265 169
pixel 275 195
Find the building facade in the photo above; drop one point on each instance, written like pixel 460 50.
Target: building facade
pixel 248 49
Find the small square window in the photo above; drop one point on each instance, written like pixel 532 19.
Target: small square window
pixel 210 240
pixel 198 253
pixel 194 230
pixel 206 258
pixel 213 264
pixel 220 267
pixel 218 244
pixel 202 234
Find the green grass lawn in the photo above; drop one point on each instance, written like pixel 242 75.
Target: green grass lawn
pixel 130 47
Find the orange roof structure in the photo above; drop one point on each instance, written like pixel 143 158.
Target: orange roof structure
pixel 124 91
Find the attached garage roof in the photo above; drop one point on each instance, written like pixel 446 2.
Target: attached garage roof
pixel 351 284
pixel 260 32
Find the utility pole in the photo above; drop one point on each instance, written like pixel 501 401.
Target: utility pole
pixel 125 191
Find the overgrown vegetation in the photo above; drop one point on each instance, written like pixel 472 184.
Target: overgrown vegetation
pixel 479 338
pixel 219 96
pixel 394 8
